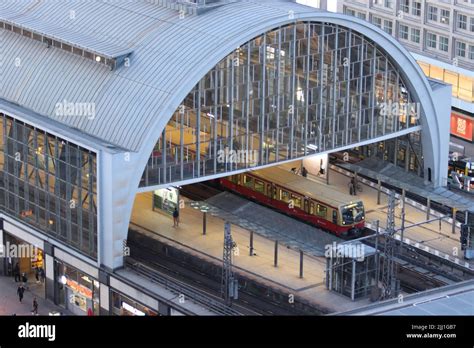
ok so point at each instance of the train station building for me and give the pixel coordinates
(101, 101)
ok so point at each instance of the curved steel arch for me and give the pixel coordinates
(116, 220)
(406, 65)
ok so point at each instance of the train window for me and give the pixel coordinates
(321, 210)
(274, 193)
(284, 196)
(248, 182)
(259, 186)
(233, 178)
(296, 201)
(311, 208)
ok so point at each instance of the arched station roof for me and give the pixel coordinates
(167, 55)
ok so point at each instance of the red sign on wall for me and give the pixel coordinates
(461, 126)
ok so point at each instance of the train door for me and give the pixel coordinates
(307, 204)
(334, 216)
(268, 190)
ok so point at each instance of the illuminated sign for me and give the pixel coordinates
(132, 309)
(166, 199)
(80, 289)
(461, 126)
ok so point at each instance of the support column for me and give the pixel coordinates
(301, 263)
(104, 293)
(428, 206)
(251, 244)
(204, 223)
(379, 187)
(454, 220)
(275, 261)
(115, 196)
(50, 277)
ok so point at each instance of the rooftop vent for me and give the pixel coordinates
(100, 52)
(193, 7)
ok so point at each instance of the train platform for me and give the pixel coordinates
(435, 237)
(455, 299)
(397, 177)
(260, 266)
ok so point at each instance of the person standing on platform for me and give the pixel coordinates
(353, 187)
(175, 217)
(304, 172)
(20, 291)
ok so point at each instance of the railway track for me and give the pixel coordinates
(248, 303)
(415, 276)
(200, 191)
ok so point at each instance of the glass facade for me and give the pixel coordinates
(463, 86)
(294, 91)
(49, 183)
(404, 151)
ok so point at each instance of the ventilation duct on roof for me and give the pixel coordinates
(100, 52)
(192, 7)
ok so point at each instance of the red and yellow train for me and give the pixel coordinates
(301, 198)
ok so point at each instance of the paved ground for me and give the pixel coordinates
(271, 224)
(259, 266)
(10, 304)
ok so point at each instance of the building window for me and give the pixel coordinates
(471, 24)
(350, 12)
(443, 43)
(444, 16)
(59, 175)
(462, 21)
(416, 8)
(361, 15)
(415, 35)
(377, 21)
(385, 3)
(471, 52)
(430, 40)
(387, 26)
(403, 32)
(389, 3)
(432, 13)
(405, 6)
(460, 49)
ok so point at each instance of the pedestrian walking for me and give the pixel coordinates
(20, 291)
(37, 274)
(175, 217)
(42, 274)
(16, 272)
(35, 307)
(24, 279)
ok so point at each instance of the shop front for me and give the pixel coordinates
(24, 262)
(76, 291)
(124, 306)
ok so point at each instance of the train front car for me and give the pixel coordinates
(352, 219)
